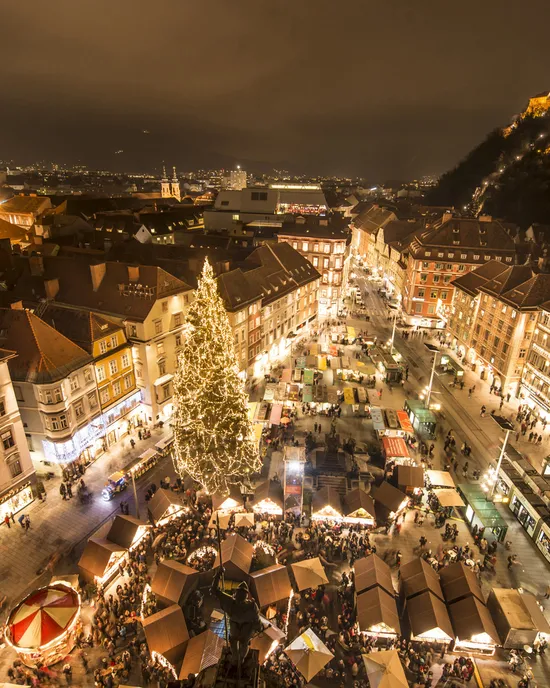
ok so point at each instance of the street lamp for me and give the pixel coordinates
(393, 331)
(434, 350)
(504, 424)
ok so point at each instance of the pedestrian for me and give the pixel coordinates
(501, 402)
(69, 490)
(12, 517)
(68, 672)
(547, 594)
(422, 541)
(63, 491)
(7, 521)
(139, 434)
(380, 393)
(508, 397)
(27, 523)
(85, 661)
(21, 520)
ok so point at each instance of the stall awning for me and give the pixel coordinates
(410, 476)
(308, 376)
(332, 395)
(389, 496)
(395, 448)
(349, 396)
(203, 651)
(417, 576)
(458, 581)
(375, 608)
(275, 416)
(269, 393)
(448, 497)
(358, 500)
(327, 499)
(371, 571)
(286, 375)
(404, 422)
(163, 502)
(166, 633)
(470, 617)
(322, 362)
(361, 394)
(335, 363)
(377, 418)
(440, 479)
(270, 585)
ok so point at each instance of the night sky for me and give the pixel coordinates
(386, 89)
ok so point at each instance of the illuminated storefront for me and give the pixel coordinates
(15, 500)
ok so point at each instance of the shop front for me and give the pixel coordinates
(542, 537)
(16, 499)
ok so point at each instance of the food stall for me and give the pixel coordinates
(474, 628)
(377, 614)
(372, 571)
(127, 531)
(439, 479)
(389, 498)
(429, 619)
(237, 556)
(173, 582)
(167, 635)
(422, 419)
(267, 641)
(359, 508)
(396, 451)
(203, 651)
(309, 573)
(478, 511)
(100, 559)
(458, 581)
(418, 577)
(537, 614)
(409, 478)
(268, 498)
(165, 505)
(228, 503)
(42, 627)
(270, 585)
(448, 498)
(326, 505)
(512, 618)
(391, 423)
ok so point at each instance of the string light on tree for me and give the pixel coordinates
(213, 435)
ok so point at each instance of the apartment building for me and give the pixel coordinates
(17, 474)
(493, 321)
(56, 391)
(365, 228)
(535, 381)
(147, 301)
(24, 210)
(445, 250)
(324, 242)
(106, 341)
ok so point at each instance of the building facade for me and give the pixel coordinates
(535, 381)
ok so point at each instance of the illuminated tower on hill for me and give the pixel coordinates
(165, 191)
(175, 185)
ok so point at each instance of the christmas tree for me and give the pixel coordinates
(213, 435)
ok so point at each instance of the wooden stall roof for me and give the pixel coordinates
(270, 584)
(270, 489)
(449, 497)
(375, 606)
(539, 619)
(172, 580)
(471, 617)
(426, 612)
(326, 496)
(309, 573)
(96, 555)
(236, 551)
(410, 476)
(459, 581)
(161, 501)
(417, 576)
(123, 530)
(358, 499)
(234, 493)
(371, 571)
(166, 633)
(388, 496)
(203, 651)
(440, 478)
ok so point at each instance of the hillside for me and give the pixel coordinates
(507, 175)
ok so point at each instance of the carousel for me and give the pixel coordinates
(42, 628)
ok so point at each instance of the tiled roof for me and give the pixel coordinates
(237, 290)
(81, 327)
(374, 217)
(314, 227)
(472, 281)
(398, 230)
(43, 354)
(531, 294)
(461, 233)
(507, 279)
(25, 204)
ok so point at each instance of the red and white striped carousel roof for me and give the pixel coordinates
(43, 616)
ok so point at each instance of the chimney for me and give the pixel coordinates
(36, 264)
(133, 273)
(485, 218)
(16, 305)
(51, 287)
(98, 273)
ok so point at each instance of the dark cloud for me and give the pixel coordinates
(382, 89)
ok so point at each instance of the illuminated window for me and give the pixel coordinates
(125, 360)
(117, 390)
(113, 367)
(103, 346)
(100, 373)
(7, 439)
(114, 341)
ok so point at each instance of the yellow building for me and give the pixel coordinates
(105, 340)
(538, 105)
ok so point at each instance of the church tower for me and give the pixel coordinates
(165, 185)
(175, 186)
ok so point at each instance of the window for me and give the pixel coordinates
(325, 262)
(433, 294)
(74, 383)
(92, 400)
(476, 257)
(162, 363)
(497, 342)
(7, 440)
(125, 360)
(421, 292)
(158, 326)
(316, 248)
(178, 340)
(295, 245)
(514, 314)
(425, 265)
(431, 308)
(463, 256)
(305, 246)
(29, 442)
(105, 396)
(224, 203)
(103, 346)
(63, 421)
(436, 279)
(178, 319)
(326, 248)
(315, 262)
(165, 306)
(2, 407)
(160, 348)
(428, 253)
(78, 410)
(447, 279)
(449, 266)
(258, 196)
(508, 259)
(87, 375)
(444, 295)
(132, 331)
(439, 266)
(18, 393)
(166, 391)
(100, 373)
(117, 389)
(521, 353)
(236, 217)
(15, 466)
(128, 382)
(461, 268)
(486, 257)
(113, 367)
(423, 277)
(418, 308)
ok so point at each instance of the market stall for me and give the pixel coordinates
(359, 508)
(439, 479)
(409, 478)
(326, 505)
(165, 505)
(100, 559)
(173, 582)
(448, 498)
(459, 581)
(372, 571)
(418, 577)
(429, 619)
(237, 556)
(473, 626)
(537, 614)
(308, 654)
(396, 451)
(512, 617)
(244, 520)
(384, 670)
(127, 531)
(422, 419)
(270, 585)
(268, 498)
(42, 627)
(203, 651)
(390, 498)
(233, 501)
(267, 640)
(377, 613)
(166, 634)
(309, 573)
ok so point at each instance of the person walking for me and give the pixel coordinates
(69, 490)
(27, 523)
(68, 672)
(7, 521)
(21, 520)
(63, 491)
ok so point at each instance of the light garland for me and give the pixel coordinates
(161, 659)
(201, 553)
(144, 600)
(288, 611)
(266, 549)
(213, 435)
